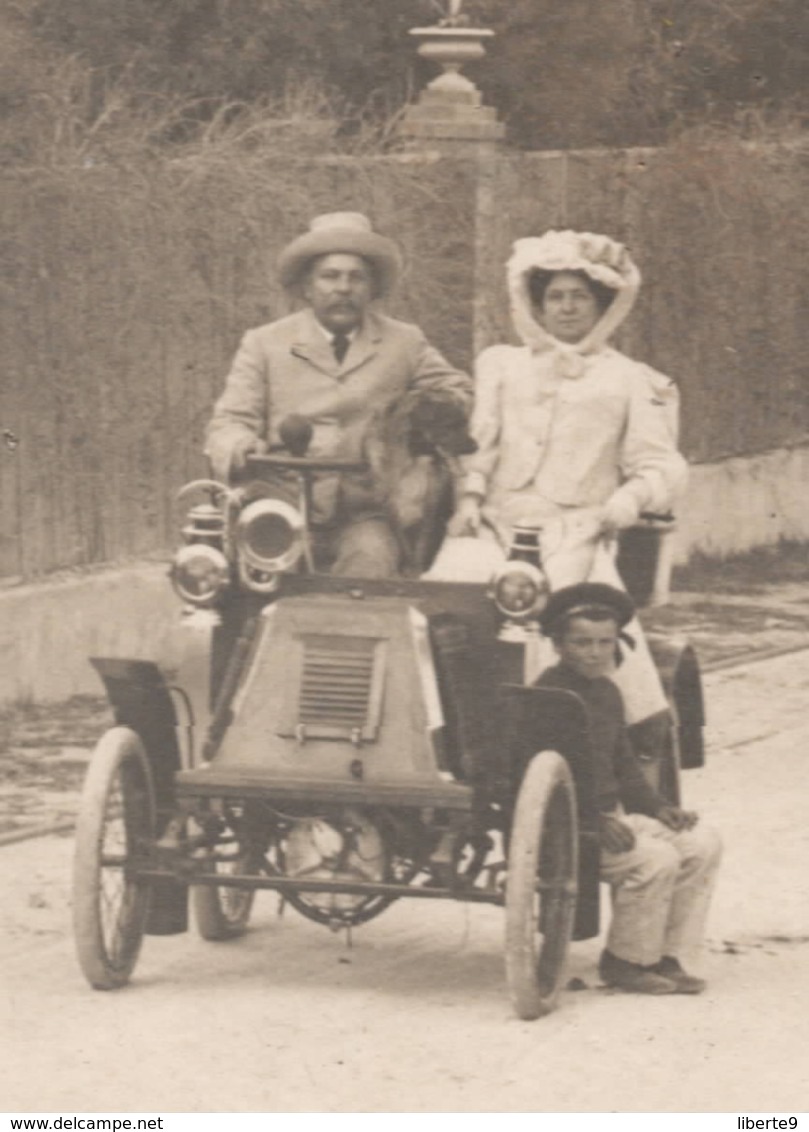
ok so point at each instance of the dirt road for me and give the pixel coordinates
(414, 1017)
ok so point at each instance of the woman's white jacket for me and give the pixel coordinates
(608, 434)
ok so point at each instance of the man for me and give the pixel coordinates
(660, 863)
(336, 363)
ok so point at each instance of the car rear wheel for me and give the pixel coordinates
(223, 913)
(116, 824)
(669, 773)
(656, 743)
(541, 888)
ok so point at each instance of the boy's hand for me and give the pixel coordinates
(677, 819)
(614, 835)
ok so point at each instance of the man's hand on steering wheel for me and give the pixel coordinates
(244, 447)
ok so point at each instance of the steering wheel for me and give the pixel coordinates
(295, 432)
(306, 463)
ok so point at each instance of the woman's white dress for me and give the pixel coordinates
(553, 451)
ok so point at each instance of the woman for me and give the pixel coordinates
(573, 437)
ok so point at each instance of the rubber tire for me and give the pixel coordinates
(663, 774)
(217, 922)
(544, 835)
(118, 759)
(669, 782)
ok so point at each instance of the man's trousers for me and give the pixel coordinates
(365, 547)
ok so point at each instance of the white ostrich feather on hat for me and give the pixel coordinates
(600, 258)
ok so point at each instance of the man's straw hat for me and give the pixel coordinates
(349, 233)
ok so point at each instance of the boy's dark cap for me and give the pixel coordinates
(583, 600)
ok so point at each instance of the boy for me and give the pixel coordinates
(660, 864)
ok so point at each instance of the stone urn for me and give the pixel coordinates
(450, 114)
(451, 48)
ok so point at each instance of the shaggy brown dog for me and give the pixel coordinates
(412, 446)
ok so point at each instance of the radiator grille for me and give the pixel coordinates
(336, 685)
(339, 687)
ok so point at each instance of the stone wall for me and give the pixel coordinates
(125, 292)
(721, 234)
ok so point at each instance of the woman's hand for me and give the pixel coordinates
(617, 514)
(466, 520)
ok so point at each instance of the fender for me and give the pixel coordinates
(535, 719)
(678, 668)
(141, 699)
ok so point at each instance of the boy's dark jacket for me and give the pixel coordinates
(617, 774)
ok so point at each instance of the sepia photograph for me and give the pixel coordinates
(404, 559)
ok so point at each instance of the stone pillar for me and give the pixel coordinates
(450, 116)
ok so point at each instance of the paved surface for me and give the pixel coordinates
(729, 629)
(44, 750)
(415, 1017)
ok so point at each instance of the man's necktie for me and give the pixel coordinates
(340, 343)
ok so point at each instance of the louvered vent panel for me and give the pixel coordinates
(336, 686)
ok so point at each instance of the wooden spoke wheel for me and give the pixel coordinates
(223, 913)
(116, 824)
(541, 888)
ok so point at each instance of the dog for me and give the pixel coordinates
(413, 446)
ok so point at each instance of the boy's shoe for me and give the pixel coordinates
(633, 977)
(670, 968)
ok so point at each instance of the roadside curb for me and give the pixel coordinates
(48, 629)
(67, 825)
(753, 658)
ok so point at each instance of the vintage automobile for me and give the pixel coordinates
(347, 743)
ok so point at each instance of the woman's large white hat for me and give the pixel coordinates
(599, 257)
(349, 233)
